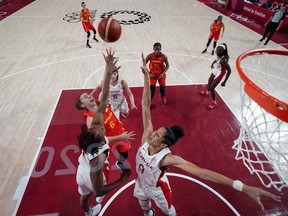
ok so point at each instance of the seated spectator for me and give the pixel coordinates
(266, 5)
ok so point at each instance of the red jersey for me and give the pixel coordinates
(216, 27)
(156, 64)
(112, 125)
(86, 16)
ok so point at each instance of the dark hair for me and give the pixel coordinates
(82, 3)
(157, 44)
(78, 104)
(88, 141)
(225, 51)
(173, 134)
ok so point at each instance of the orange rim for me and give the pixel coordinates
(271, 104)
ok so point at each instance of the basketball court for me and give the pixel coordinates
(45, 66)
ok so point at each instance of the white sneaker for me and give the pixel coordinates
(94, 210)
(100, 199)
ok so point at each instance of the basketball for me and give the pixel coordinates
(109, 29)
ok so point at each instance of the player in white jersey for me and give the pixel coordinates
(94, 144)
(220, 68)
(154, 158)
(117, 98)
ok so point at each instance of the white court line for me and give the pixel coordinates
(23, 186)
(174, 175)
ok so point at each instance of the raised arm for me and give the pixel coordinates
(254, 192)
(146, 103)
(129, 93)
(110, 65)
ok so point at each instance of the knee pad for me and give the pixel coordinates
(145, 204)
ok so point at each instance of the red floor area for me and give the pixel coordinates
(8, 7)
(209, 137)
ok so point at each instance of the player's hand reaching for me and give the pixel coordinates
(256, 193)
(125, 174)
(127, 135)
(109, 57)
(133, 106)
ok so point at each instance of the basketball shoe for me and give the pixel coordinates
(94, 210)
(204, 51)
(164, 100)
(88, 46)
(212, 53)
(204, 93)
(94, 38)
(212, 105)
(120, 165)
(99, 199)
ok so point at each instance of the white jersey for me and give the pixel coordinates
(217, 67)
(116, 95)
(147, 166)
(85, 186)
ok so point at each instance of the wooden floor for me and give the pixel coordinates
(41, 54)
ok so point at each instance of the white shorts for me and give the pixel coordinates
(162, 196)
(84, 182)
(123, 108)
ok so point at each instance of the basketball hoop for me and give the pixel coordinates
(262, 144)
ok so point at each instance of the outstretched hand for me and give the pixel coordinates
(128, 135)
(110, 60)
(125, 174)
(256, 193)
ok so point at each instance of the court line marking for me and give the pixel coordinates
(174, 175)
(96, 55)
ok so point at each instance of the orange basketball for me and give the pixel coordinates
(109, 29)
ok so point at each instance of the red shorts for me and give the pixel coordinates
(87, 26)
(120, 146)
(214, 35)
(161, 81)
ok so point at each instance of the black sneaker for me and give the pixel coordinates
(265, 42)
(88, 46)
(94, 38)
(262, 39)
(204, 51)
(212, 53)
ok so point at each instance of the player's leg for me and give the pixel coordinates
(94, 37)
(208, 43)
(162, 83)
(152, 87)
(124, 109)
(143, 200)
(207, 91)
(216, 38)
(213, 85)
(162, 197)
(88, 36)
(120, 149)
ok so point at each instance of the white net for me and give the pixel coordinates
(263, 141)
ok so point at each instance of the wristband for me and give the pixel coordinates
(238, 185)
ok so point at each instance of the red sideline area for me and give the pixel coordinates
(251, 20)
(52, 188)
(8, 7)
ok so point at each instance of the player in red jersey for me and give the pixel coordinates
(95, 147)
(85, 16)
(158, 66)
(117, 135)
(215, 30)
